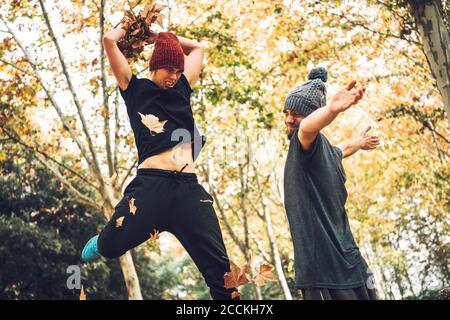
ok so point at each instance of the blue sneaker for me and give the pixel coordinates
(90, 251)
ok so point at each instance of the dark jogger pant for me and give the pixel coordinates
(177, 203)
(360, 293)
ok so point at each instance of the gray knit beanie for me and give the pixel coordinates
(308, 97)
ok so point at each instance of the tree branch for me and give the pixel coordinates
(233, 236)
(127, 174)
(250, 233)
(14, 137)
(243, 207)
(362, 25)
(37, 75)
(106, 129)
(110, 92)
(16, 67)
(74, 191)
(116, 129)
(97, 171)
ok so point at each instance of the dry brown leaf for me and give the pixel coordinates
(135, 32)
(82, 294)
(237, 276)
(159, 8)
(160, 19)
(132, 206)
(119, 222)
(264, 275)
(138, 44)
(94, 62)
(154, 236)
(138, 32)
(147, 9)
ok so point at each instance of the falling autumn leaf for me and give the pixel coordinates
(236, 277)
(94, 62)
(119, 222)
(152, 123)
(132, 206)
(264, 275)
(154, 236)
(82, 294)
(235, 294)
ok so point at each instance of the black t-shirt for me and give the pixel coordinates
(161, 119)
(326, 255)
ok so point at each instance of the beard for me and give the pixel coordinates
(292, 132)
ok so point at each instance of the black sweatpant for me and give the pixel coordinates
(360, 293)
(177, 203)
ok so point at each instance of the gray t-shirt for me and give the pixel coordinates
(325, 252)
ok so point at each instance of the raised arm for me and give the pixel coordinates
(322, 117)
(119, 64)
(362, 141)
(194, 59)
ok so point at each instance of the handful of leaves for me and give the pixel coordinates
(138, 32)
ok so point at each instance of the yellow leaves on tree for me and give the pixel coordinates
(138, 31)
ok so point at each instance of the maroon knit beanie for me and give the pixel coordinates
(167, 52)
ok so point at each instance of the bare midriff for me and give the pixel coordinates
(176, 158)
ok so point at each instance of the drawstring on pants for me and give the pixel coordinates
(183, 167)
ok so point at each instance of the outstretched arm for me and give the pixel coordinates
(362, 141)
(194, 61)
(117, 61)
(322, 117)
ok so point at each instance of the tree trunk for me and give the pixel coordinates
(276, 257)
(369, 251)
(436, 44)
(130, 276)
(257, 294)
(127, 265)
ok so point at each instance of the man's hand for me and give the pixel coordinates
(362, 141)
(367, 142)
(322, 117)
(345, 98)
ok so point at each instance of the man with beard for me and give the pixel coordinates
(328, 263)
